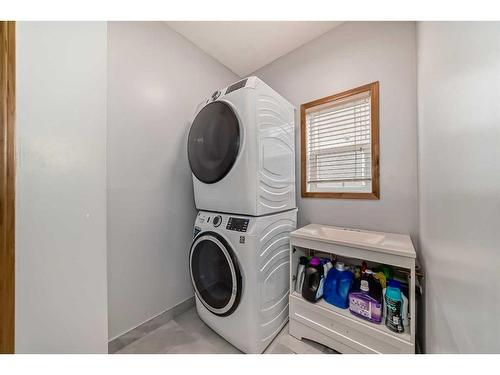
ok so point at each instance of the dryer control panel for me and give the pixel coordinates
(237, 224)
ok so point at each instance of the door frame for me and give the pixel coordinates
(7, 184)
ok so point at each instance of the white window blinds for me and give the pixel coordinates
(338, 145)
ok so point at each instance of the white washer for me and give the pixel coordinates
(241, 150)
(239, 268)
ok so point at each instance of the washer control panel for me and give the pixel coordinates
(237, 224)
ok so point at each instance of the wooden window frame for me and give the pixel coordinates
(373, 88)
(7, 184)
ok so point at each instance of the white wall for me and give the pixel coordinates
(459, 173)
(351, 55)
(156, 79)
(61, 188)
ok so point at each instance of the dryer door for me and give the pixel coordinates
(215, 274)
(213, 142)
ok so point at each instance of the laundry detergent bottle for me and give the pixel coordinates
(337, 285)
(314, 277)
(394, 307)
(299, 280)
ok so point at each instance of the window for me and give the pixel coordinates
(340, 145)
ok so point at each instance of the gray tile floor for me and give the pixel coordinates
(187, 334)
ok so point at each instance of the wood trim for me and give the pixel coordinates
(373, 88)
(375, 110)
(7, 184)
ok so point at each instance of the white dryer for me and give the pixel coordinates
(240, 269)
(241, 150)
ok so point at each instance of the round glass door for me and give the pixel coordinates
(213, 142)
(215, 274)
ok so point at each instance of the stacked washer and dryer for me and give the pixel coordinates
(241, 150)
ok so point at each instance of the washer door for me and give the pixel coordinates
(215, 274)
(213, 142)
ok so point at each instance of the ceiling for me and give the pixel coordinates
(245, 46)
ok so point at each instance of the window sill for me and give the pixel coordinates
(339, 195)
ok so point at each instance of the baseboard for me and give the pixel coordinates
(143, 329)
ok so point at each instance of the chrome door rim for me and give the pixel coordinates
(234, 291)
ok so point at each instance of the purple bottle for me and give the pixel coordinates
(361, 304)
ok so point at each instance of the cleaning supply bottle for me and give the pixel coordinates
(356, 270)
(365, 280)
(364, 306)
(299, 280)
(314, 276)
(406, 320)
(394, 307)
(406, 316)
(327, 265)
(375, 288)
(386, 270)
(362, 303)
(380, 277)
(337, 286)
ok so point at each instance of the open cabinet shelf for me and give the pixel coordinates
(336, 327)
(381, 328)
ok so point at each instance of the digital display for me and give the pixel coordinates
(237, 224)
(236, 86)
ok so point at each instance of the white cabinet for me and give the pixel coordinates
(336, 327)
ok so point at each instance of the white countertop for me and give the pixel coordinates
(390, 243)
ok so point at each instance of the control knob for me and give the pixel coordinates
(217, 220)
